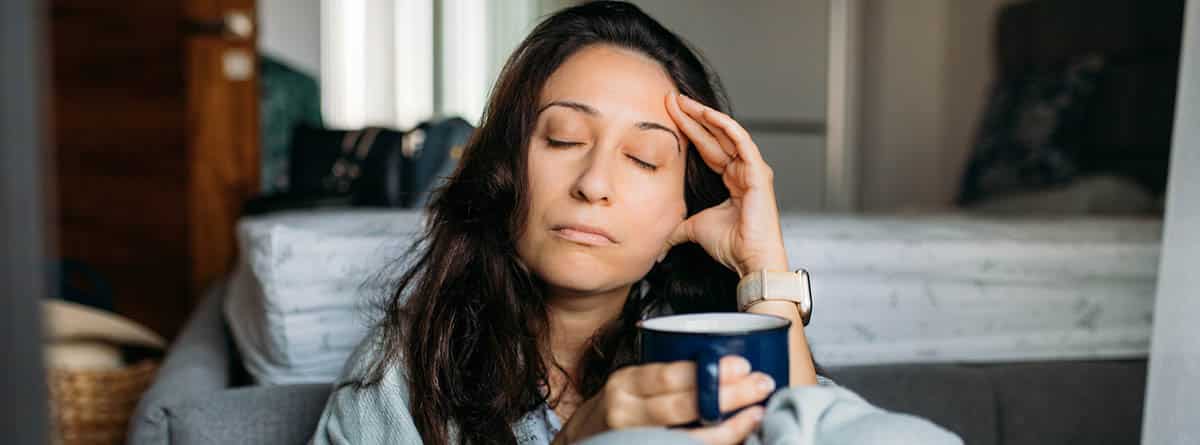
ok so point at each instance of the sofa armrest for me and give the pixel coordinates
(284, 414)
(198, 363)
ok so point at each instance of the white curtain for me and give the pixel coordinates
(395, 63)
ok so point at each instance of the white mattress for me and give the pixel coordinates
(887, 289)
(963, 289)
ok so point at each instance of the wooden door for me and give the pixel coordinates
(155, 119)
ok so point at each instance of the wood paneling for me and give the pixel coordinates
(155, 148)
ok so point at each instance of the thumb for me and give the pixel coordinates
(681, 234)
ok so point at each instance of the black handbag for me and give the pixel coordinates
(372, 167)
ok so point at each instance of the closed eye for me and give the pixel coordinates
(558, 143)
(561, 144)
(643, 164)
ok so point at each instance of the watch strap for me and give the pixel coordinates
(778, 286)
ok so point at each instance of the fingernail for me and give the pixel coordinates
(766, 383)
(741, 366)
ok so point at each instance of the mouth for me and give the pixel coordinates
(593, 236)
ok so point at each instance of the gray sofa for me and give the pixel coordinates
(202, 396)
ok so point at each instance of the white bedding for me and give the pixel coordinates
(305, 287)
(888, 289)
(965, 289)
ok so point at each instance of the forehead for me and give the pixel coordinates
(618, 82)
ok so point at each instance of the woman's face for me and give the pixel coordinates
(605, 169)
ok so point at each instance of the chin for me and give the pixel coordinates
(584, 275)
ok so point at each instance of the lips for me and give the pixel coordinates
(584, 234)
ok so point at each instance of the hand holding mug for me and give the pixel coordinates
(665, 394)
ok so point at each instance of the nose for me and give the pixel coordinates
(595, 183)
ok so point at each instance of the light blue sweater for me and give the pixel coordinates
(823, 414)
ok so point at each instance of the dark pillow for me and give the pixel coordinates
(1031, 134)
(373, 167)
(432, 154)
(287, 98)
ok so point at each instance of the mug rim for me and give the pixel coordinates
(786, 324)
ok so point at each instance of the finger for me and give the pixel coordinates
(653, 379)
(641, 383)
(740, 138)
(748, 390)
(733, 368)
(735, 430)
(696, 111)
(682, 407)
(710, 149)
(663, 378)
(705, 140)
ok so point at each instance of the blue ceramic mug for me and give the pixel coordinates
(704, 338)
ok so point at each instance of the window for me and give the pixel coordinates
(395, 63)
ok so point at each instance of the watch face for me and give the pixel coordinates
(806, 307)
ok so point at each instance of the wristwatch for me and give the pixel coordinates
(774, 285)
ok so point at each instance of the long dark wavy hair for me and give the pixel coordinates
(467, 319)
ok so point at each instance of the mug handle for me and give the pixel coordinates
(708, 385)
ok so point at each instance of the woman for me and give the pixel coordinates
(603, 186)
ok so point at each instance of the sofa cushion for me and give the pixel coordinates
(958, 398)
(1070, 402)
(1063, 402)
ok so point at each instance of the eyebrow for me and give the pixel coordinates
(590, 111)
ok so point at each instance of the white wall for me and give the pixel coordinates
(925, 71)
(290, 30)
(1173, 385)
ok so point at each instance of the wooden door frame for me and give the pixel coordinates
(223, 166)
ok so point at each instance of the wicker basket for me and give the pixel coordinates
(94, 406)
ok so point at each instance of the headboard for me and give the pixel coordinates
(1128, 124)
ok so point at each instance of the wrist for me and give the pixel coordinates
(779, 308)
(783, 293)
(775, 263)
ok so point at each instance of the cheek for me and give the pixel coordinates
(548, 182)
(545, 180)
(656, 216)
